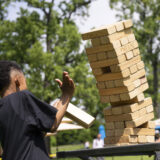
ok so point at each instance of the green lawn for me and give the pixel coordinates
(80, 146)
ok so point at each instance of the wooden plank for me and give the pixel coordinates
(101, 56)
(136, 52)
(104, 40)
(101, 85)
(129, 55)
(110, 132)
(140, 65)
(133, 69)
(119, 26)
(142, 139)
(124, 40)
(116, 44)
(92, 57)
(104, 99)
(127, 23)
(97, 71)
(133, 139)
(96, 42)
(108, 62)
(99, 32)
(117, 90)
(150, 139)
(110, 125)
(109, 84)
(114, 98)
(131, 38)
(126, 48)
(107, 111)
(79, 116)
(115, 68)
(140, 97)
(149, 108)
(117, 110)
(119, 125)
(139, 121)
(113, 76)
(137, 83)
(149, 124)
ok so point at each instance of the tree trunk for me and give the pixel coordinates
(155, 85)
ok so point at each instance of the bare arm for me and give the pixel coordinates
(67, 88)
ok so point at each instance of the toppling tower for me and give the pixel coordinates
(119, 71)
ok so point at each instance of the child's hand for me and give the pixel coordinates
(67, 86)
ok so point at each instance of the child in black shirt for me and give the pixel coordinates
(24, 118)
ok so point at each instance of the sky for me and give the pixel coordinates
(99, 14)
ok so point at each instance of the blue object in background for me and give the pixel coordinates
(102, 131)
(157, 128)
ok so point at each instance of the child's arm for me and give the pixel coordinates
(67, 88)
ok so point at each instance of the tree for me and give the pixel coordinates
(146, 17)
(45, 41)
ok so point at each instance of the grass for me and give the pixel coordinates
(81, 146)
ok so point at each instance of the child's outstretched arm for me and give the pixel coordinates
(67, 88)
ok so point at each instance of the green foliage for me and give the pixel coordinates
(45, 42)
(146, 17)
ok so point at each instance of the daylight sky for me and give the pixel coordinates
(99, 14)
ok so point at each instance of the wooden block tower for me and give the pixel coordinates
(121, 80)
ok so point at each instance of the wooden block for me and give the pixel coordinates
(149, 124)
(116, 44)
(129, 55)
(107, 111)
(137, 83)
(133, 69)
(116, 110)
(113, 76)
(107, 62)
(122, 139)
(109, 133)
(142, 139)
(109, 125)
(114, 98)
(115, 68)
(133, 139)
(149, 108)
(145, 103)
(111, 54)
(123, 82)
(136, 52)
(109, 140)
(124, 41)
(143, 79)
(128, 23)
(104, 99)
(79, 116)
(119, 35)
(97, 71)
(117, 90)
(109, 84)
(119, 26)
(150, 139)
(126, 48)
(97, 49)
(140, 65)
(96, 42)
(119, 125)
(139, 121)
(140, 97)
(131, 38)
(104, 40)
(92, 57)
(101, 56)
(99, 32)
(130, 62)
(130, 108)
(101, 85)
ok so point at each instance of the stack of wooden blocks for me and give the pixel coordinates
(119, 71)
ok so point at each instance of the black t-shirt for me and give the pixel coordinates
(23, 119)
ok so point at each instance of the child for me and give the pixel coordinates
(24, 118)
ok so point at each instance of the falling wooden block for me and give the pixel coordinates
(79, 116)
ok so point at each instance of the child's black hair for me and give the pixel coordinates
(5, 69)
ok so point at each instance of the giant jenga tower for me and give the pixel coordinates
(121, 80)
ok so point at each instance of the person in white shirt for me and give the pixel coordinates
(98, 143)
